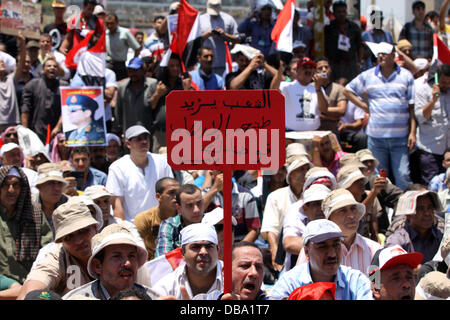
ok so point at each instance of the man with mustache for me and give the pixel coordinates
(202, 273)
(392, 274)
(116, 257)
(420, 234)
(322, 243)
(64, 267)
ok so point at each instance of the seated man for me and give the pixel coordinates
(64, 267)
(190, 207)
(88, 176)
(116, 257)
(149, 221)
(324, 155)
(202, 272)
(437, 183)
(392, 274)
(307, 209)
(341, 207)
(23, 229)
(50, 185)
(322, 243)
(420, 234)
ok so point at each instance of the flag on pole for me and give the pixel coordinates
(98, 49)
(187, 39)
(282, 33)
(441, 53)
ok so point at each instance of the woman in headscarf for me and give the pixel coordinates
(60, 150)
(23, 231)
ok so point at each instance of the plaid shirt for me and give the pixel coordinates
(421, 39)
(169, 235)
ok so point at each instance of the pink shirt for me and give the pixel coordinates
(358, 257)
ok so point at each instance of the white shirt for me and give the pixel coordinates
(293, 226)
(301, 106)
(276, 206)
(137, 188)
(170, 284)
(352, 113)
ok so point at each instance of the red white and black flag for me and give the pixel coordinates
(187, 39)
(95, 49)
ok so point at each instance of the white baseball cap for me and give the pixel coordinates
(321, 230)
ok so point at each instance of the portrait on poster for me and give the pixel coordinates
(83, 116)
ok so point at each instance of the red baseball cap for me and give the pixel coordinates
(304, 61)
(393, 256)
(314, 291)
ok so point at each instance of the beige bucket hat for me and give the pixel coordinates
(366, 154)
(50, 172)
(348, 175)
(351, 159)
(433, 286)
(72, 216)
(296, 162)
(96, 191)
(115, 234)
(315, 174)
(340, 198)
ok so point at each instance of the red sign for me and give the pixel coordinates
(239, 129)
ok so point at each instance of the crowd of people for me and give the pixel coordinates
(358, 212)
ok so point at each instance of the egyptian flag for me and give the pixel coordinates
(96, 50)
(163, 265)
(187, 39)
(282, 33)
(441, 53)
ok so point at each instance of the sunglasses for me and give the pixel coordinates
(75, 109)
(11, 134)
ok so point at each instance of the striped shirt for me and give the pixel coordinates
(358, 257)
(350, 284)
(388, 101)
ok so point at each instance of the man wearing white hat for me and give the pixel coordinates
(64, 266)
(322, 243)
(390, 141)
(341, 207)
(279, 201)
(202, 272)
(216, 27)
(392, 274)
(132, 178)
(116, 257)
(420, 234)
(307, 209)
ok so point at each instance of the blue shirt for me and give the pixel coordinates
(95, 177)
(437, 183)
(351, 284)
(260, 35)
(389, 101)
(205, 82)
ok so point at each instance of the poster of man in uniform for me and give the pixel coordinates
(83, 116)
(12, 20)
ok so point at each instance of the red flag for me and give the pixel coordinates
(440, 51)
(282, 33)
(228, 60)
(73, 57)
